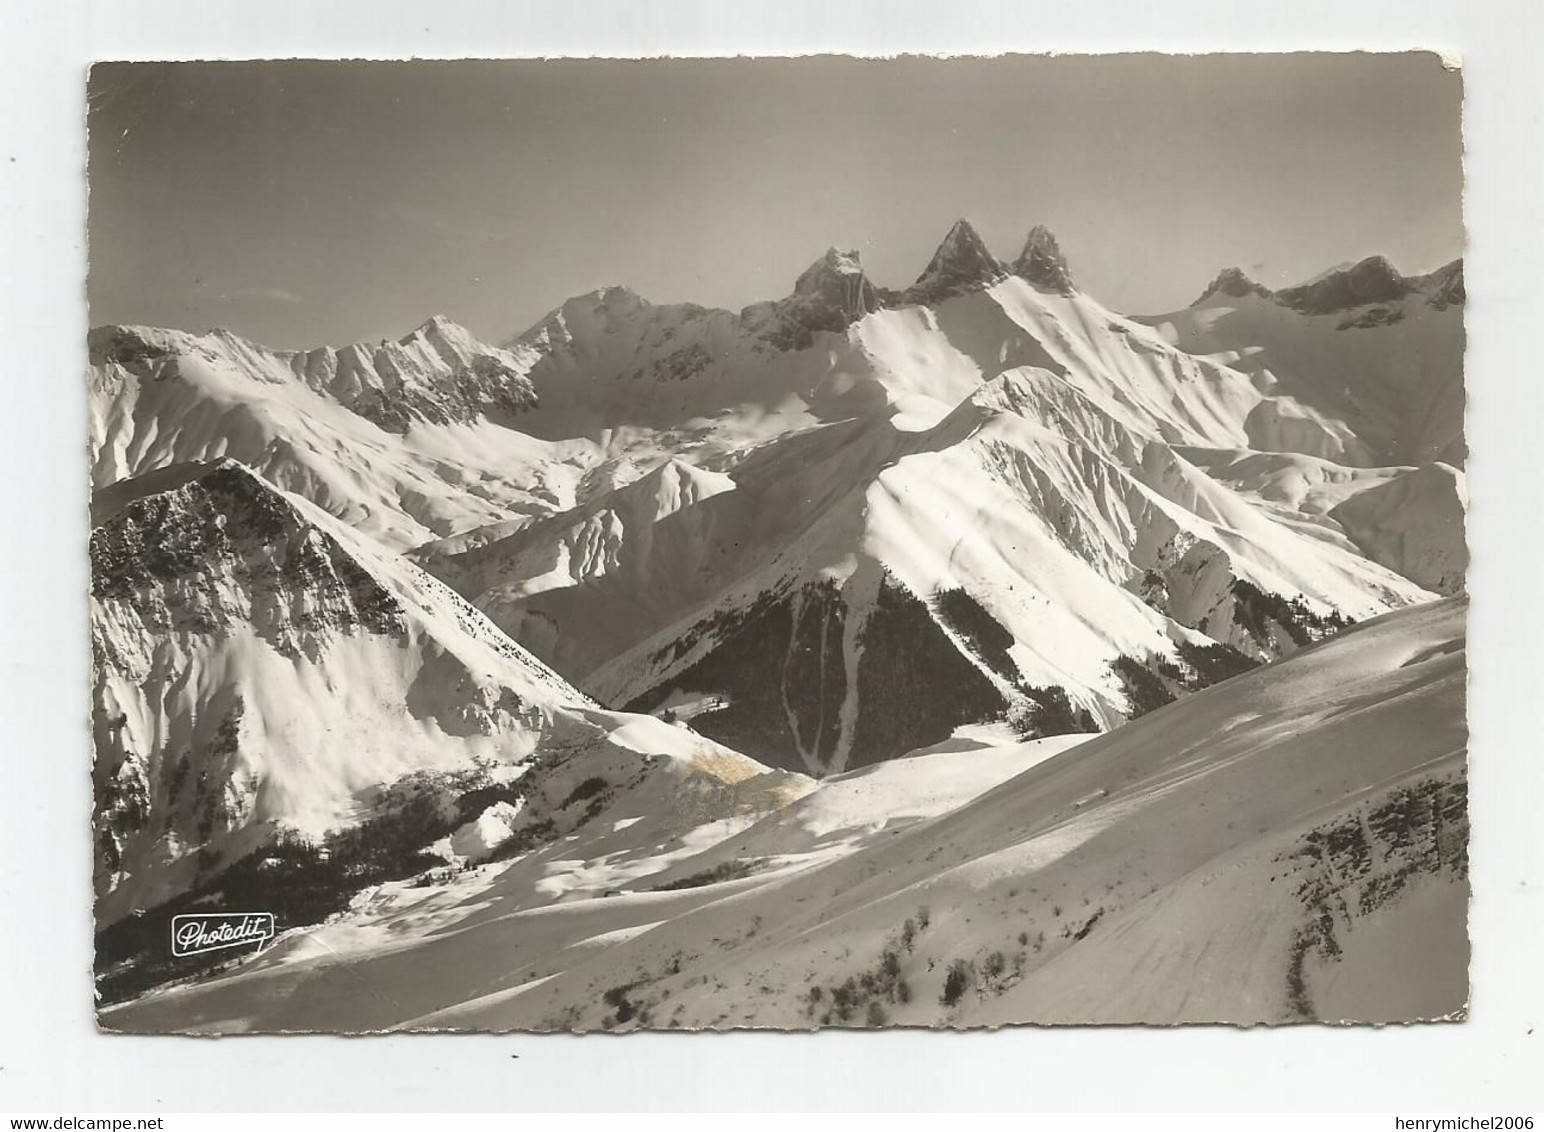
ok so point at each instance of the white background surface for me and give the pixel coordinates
(51, 1058)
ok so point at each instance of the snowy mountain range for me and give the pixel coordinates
(653, 590)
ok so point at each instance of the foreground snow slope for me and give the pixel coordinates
(1288, 845)
(260, 667)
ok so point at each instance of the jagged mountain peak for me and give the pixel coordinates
(837, 262)
(962, 246)
(830, 294)
(1042, 263)
(838, 279)
(439, 325)
(1445, 286)
(962, 262)
(1233, 283)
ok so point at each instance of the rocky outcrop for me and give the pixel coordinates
(1445, 286)
(962, 263)
(1373, 280)
(1042, 263)
(1232, 283)
(210, 548)
(830, 295)
(1368, 293)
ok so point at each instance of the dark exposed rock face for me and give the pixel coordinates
(1234, 284)
(125, 346)
(1445, 286)
(780, 668)
(962, 263)
(831, 294)
(245, 551)
(796, 678)
(1373, 280)
(777, 667)
(1369, 317)
(1042, 263)
(836, 280)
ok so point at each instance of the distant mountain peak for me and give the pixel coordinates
(1371, 280)
(836, 262)
(1347, 286)
(1445, 286)
(1233, 283)
(1042, 263)
(437, 323)
(837, 279)
(962, 263)
(442, 330)
(830, 294)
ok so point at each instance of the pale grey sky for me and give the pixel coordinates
(321, 202)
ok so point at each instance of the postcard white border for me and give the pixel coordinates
(51, 1056)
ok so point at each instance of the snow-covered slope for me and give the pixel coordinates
(1409, 519)
(1288, 845)
(406, 440)
(1414, 524)
(1380, 353)
(859, 588)
(261, 668)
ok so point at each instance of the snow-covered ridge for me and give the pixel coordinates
(1346, 287)
(1377, 352)
(833, 292)
(837, 564)
(1042, 263)
(437, 375)
(407, 440)
(262, 669)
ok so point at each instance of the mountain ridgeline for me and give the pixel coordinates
(664, 560)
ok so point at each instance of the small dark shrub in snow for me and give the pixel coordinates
(727, 870)
(956, 982)
(586, 789)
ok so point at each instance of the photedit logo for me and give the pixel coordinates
(210, 931)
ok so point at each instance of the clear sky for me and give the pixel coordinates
(319, 202)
